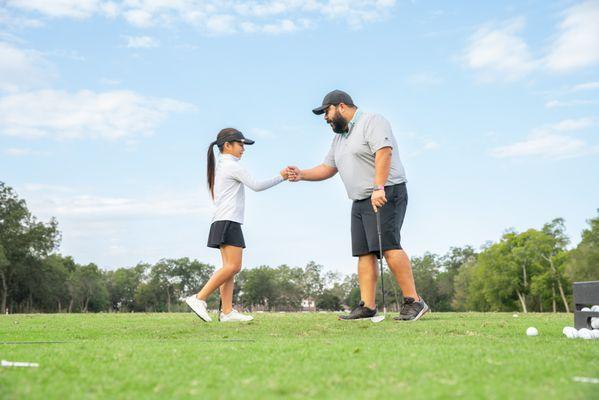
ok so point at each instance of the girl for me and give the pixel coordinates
(226, 183)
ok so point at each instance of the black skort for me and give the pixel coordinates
(225, 233)
(364, 234)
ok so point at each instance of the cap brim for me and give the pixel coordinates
(247, 141)
(320, 110)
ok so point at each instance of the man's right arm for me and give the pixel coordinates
(318, 173)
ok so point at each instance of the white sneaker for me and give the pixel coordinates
(199, 307)
(235, 316)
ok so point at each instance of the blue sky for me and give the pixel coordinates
(107, 108)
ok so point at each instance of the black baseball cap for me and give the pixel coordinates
(233, 137)
(335, 97)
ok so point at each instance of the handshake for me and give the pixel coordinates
(291, 174)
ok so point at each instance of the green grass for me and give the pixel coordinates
(294, 355)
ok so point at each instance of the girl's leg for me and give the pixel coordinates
(226, 295)
(231, 256)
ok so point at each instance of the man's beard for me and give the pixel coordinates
(338, 123)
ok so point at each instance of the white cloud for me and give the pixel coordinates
(84, 114)
(568, 125)
(219, 17)
(22, 68)
(72, 203)
(499, 53)
(78, 9)
(119, 207)
(419, 143)
(357, 13)
(141, 42)
(139, 18)
(586, 86)
(10, 20)
(284, 26)
(221, 24)
(22, 152)
(551, 142)
(577, 43)
(567, 103)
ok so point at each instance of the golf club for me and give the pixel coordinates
(379, 318)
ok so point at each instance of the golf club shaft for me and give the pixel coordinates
(378, 230)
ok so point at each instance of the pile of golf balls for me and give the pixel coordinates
(584, 333)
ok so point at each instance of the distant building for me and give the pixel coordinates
(308, 304)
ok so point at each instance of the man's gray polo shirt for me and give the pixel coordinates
(353, 154)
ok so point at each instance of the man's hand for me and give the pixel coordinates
(294, 174)
(378, 199)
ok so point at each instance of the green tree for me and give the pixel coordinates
(122, 284)
(259, 287)
(328, 300)
(23, 240)
(469, 288)
(51, 292)
(551, 282)
(289, 287)
(451, 264)
(313, 280)
(582, 264)
(425, 270)
(87, 288)
(352, 290)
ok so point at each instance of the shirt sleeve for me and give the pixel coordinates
(243, 176)
(330, 158)
(378, 133)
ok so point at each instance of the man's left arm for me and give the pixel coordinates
(382, 165)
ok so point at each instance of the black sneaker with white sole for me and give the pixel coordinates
(359, 312)
(412, 310)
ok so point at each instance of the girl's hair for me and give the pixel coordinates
(211, 163)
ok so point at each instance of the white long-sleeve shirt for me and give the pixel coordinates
(230, 177)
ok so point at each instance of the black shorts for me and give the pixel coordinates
(364, 236)
(225, 233)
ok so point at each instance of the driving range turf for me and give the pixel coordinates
(294, 355)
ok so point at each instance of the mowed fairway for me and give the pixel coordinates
(294, 355)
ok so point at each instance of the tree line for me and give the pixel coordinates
(527, 271)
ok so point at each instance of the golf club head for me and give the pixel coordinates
(377, 318)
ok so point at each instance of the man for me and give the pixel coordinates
(364, 152)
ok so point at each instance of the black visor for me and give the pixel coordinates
(234, 137)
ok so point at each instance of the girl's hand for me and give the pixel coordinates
(294, 174)
(285, 173)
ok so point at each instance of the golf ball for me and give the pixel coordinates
(532, 331)
(595, 323)
(585, 309)
(570, 332)
(567, 329)
(595, 333)
(585, 333)
(595, 308)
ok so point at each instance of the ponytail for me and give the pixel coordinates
(210, 168)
